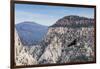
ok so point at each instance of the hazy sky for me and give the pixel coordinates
(48, 15)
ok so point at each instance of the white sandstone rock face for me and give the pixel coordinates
(56, 48)
(52, 52)
(22, 57)
(58, 39)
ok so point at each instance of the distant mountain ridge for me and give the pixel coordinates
(31, 33)
(74, 21)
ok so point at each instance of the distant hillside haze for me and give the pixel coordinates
(30, 32)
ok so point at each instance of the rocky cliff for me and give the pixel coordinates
(22, 56)
(70, 39)
(69, 45)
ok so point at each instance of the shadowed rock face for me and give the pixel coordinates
(65, 42)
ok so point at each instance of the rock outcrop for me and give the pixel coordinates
(74, 22)
(65, 32)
